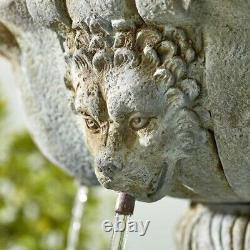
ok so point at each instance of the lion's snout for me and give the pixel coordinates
(108, 166)
(107, 170)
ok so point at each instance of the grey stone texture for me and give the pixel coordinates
(39, 62)
(160, 101)
(214, 227)
(161, 89)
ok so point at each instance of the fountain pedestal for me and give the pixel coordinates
(161, 89)
(221, 226)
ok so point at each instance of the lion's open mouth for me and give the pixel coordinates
(149, 192)
(160, 180)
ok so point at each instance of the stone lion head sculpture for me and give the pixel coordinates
(136, 98)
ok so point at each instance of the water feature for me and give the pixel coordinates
(124, 209)
(118, 241)
(77, 214)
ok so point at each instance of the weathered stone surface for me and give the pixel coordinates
(83, 10)
(227, 77)
(215, 227)
(162, 93)
(44, 96)
(194, 12)
(163, 87)
(49, 11)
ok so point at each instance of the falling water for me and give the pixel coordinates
(119, 236)
(77, 214)
(124, 209)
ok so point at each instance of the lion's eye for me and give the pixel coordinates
(139, 122)
(91, 123)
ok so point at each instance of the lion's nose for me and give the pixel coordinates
(107, 167)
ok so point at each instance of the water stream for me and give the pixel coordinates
(119, 235)
(76, 220)
(124, 209)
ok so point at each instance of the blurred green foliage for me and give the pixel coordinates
(36, 199)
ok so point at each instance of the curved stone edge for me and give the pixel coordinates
(227, 77)
(40, 69)
(49, 12)
(215, 227)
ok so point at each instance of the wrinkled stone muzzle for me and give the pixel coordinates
(108, 164)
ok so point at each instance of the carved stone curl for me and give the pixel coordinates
(217, 226)
(161, 89)
(137, 88)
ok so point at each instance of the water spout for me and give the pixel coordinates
(77, 214)
(124, 209)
